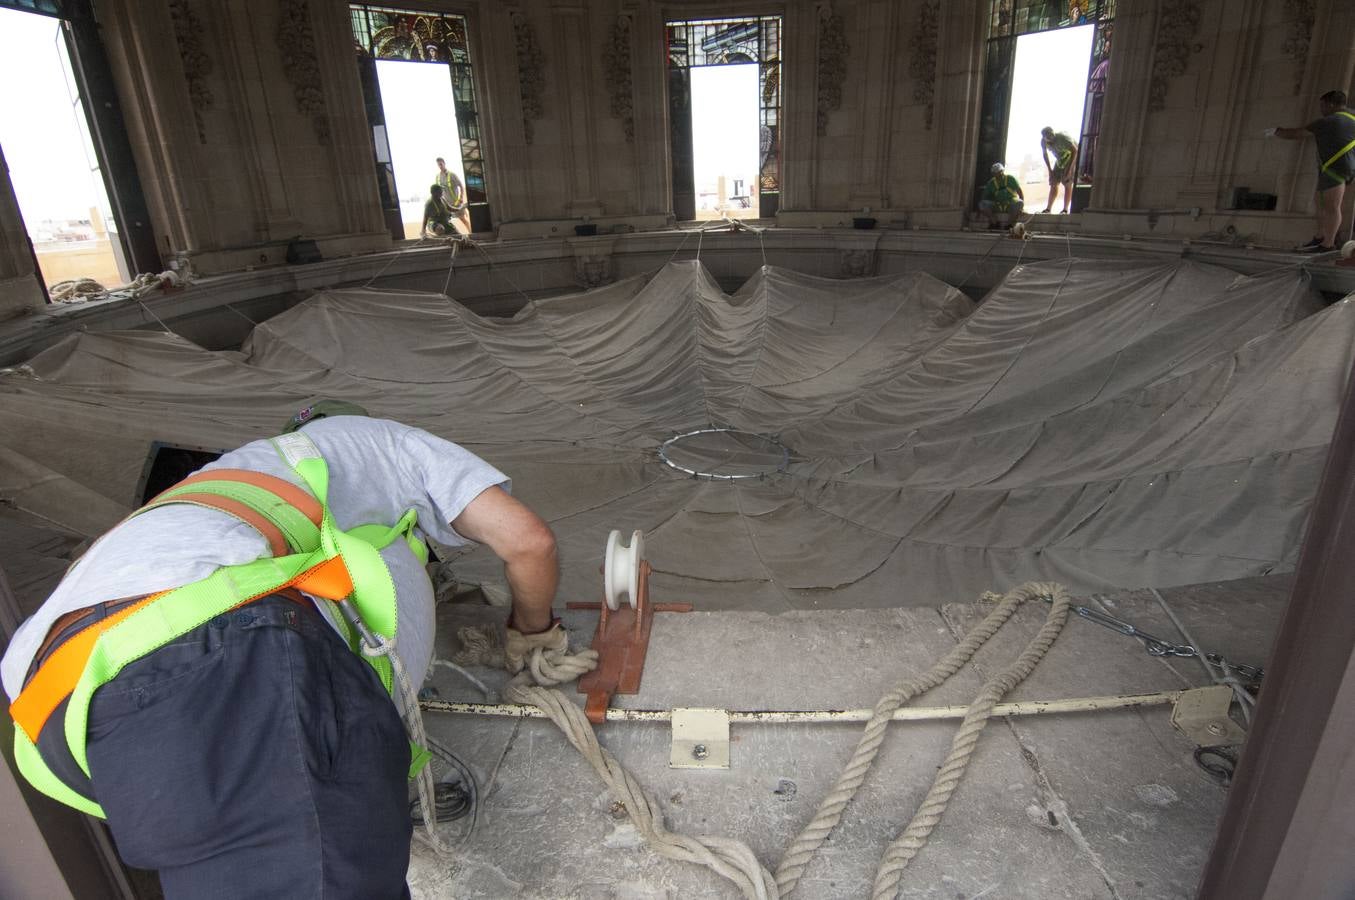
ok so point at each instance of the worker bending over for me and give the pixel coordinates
(198, 677)
(1062, 168)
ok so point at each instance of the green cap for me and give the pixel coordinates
(319, 410)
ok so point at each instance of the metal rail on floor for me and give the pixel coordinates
(829, 716)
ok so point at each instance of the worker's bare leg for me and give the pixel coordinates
(1329, 214)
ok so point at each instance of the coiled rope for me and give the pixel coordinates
(734, 860)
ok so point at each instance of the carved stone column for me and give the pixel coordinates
(1125, 112)
(799, 126)
(875, 51)
(513, 191)
(958, 98)
(649, 79)
(19, 289)
(576, 71)
(247, 33)
(349, 148)
(161, 118)
(1231, 43)
(235, 136)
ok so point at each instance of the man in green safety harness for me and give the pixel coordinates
(1335, 134)
(219, 675)
(1002, 198)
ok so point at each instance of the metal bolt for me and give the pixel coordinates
(1215, 728)
(700, 752)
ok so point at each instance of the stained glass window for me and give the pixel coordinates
(383, 33)
(46, 7)
(716, 42)
(1013, 17)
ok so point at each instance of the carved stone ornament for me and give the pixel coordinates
(856, 263)
(616, 66)
(832, 62)
(197, 65)
(593, 269)
(922, 63)
(531, 77)
(296, 41)
(1171, 51)
(1300, 38)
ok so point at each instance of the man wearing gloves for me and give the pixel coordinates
(220, 675)
(1334, 132)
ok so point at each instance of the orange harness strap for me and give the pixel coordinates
(58, 675)
(309, 506)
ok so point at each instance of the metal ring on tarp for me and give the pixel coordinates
(781, 466)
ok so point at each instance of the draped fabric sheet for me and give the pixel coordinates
(1101, 423)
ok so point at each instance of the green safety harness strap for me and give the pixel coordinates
(1326, 166)
(369, 589)
(295, 526)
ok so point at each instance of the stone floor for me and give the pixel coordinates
(1090, 805)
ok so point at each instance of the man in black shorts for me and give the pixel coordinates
(1335, 134)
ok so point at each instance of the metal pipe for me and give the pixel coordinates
(829, 716)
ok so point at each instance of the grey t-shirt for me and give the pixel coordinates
(377, 470)
(1333, 133)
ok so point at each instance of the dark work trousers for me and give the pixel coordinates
(256, 756)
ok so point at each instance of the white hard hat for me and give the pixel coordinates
(997, 167)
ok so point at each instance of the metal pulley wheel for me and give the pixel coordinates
(621, 569)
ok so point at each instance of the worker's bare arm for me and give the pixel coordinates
(525, 543)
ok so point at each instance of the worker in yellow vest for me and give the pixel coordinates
(219, 675)
(454, 195)
(1062, 168)
(1335, 134)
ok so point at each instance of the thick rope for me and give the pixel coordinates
(480, 646)
(413, 718)
(829, 813)
(914, 837)
(734, 860)
(729, 858)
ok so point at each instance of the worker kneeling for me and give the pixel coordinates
(1002, 199)
(218, 676)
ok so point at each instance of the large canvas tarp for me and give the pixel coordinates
(1097, 423)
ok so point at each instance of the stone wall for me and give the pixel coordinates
(20, 292)
(248, 128)
(247, 125)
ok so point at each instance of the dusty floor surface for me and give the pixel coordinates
(1093, 805)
